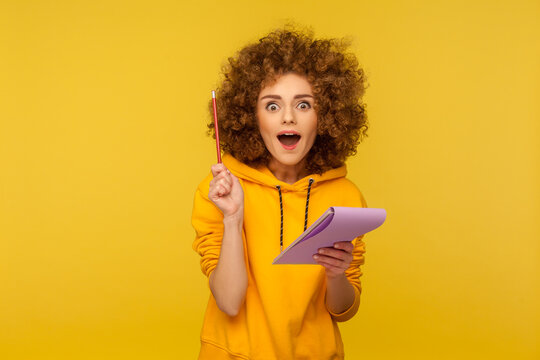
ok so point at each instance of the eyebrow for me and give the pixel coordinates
(277, 97)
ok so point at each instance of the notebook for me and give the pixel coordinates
(335, 224)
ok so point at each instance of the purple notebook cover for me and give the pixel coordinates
(345, 224)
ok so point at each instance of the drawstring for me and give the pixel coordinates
(281, 211)
(307, 202)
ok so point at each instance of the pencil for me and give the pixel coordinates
(216, 126)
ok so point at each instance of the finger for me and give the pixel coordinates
(225, 183)
(344, 245)
(213, 193)
(214, 183)
(218, 188)
(224, 177)
(332, 268)
(329, 262)
(235, 181)
(217, 169)
(233, 177)
(337, 254)
(226, 188)
(222, 190)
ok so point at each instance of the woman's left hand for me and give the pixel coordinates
(335, 260)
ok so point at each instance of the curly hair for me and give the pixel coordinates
(337, 81)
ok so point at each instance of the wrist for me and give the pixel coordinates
(235, 218)
(335, 278)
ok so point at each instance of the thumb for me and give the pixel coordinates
(235, 180)
(232, 175)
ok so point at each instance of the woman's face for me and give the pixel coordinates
(287, 119)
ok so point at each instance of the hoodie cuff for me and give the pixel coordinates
(351, 311)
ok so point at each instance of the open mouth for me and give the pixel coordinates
(289, 139)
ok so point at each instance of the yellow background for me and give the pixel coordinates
(103, 106)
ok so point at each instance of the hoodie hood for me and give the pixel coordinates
(265, 177)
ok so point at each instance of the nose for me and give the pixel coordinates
(288, 116)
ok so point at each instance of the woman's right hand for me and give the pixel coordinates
(226, 191)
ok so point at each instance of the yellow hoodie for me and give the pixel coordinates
(284, 315)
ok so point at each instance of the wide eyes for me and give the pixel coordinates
(273, 107)
(304, 105)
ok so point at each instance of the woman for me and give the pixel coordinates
(290, 114)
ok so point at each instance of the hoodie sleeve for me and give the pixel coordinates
(207, 220)
(353, 274)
